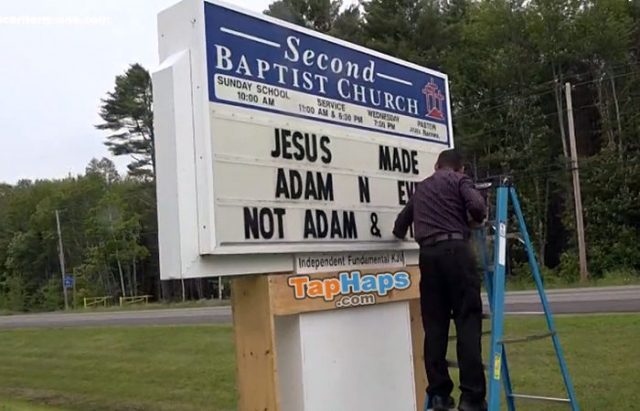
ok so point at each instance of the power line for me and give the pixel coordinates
(538, 94)
(562, 166)
(547, 83)
(611, 77)
(479, 111)
(580, 74)
(519, 93)
(509, 121)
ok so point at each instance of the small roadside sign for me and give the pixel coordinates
(68, 281)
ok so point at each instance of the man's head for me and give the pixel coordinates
(450, 159)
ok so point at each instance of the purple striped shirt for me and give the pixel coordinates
(441, 204)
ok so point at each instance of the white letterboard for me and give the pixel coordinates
(303, 142)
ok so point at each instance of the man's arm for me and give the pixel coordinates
(404, 220)
(473, 200)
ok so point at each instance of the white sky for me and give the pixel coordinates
(53, 75)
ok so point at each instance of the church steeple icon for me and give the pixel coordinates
(434, 100)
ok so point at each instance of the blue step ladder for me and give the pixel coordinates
(494, 279)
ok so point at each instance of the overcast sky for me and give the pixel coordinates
(54, 72)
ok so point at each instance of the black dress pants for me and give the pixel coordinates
(450, 288)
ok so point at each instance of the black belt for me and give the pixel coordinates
(442, 237)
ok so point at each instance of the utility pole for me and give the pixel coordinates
(584, 273)
(557, 88)
(74, 289)
(61, 257)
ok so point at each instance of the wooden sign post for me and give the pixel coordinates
(277, 331)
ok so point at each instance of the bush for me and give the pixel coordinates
(51, 297)
(569, 268)
(621, 276)
(521, 274)
(14, 298)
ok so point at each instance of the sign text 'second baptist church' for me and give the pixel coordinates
(313, 140)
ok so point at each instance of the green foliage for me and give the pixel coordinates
(324, 16)
(317, 15)
(14, 297)
(611, 195)
(127, 113)
(50, 296)
(102, 224)
(568, 269)
(104, 169)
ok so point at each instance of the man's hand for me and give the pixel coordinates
(473, 223)
(397, 237)
(403, 221)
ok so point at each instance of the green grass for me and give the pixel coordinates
(147, 368)
(192, 368)
(12, 405)
(601, 353)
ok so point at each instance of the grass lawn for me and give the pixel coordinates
(602, 355)
(120, 368)
(192, 367)
(12, 405)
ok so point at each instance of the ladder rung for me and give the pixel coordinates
(510, 236)
(527, 338)
(454, 364)
(539, 398)
(521, 313)
(453, 337)
(485, 316)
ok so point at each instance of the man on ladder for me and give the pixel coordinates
(450, 283)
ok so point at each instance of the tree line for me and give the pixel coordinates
(507, 62)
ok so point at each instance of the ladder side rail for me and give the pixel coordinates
(506, 382)
(497, 318)
(533, 263)
(481, 236)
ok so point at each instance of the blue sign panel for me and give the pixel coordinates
(255, 63)
(68, 281)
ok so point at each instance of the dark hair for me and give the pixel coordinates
(450, 159)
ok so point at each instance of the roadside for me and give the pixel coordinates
(204, 303)
(551, 282)
(191, 368)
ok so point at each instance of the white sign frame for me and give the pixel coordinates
(184, 151)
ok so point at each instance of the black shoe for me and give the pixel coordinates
(442, 403)
(468, 406)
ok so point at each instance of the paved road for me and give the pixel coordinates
(176, 316)
(578, 301)
(570, 301)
